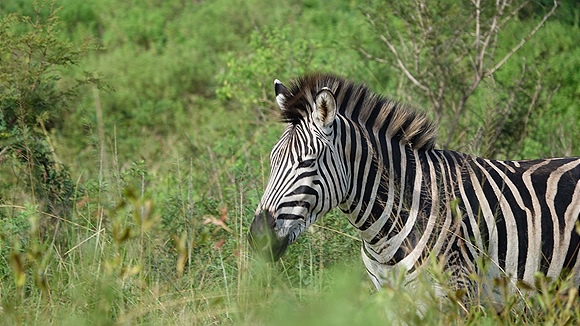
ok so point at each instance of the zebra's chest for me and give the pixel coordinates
(387, 266)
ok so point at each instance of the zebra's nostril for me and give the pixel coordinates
(270, 220)
(263, 221)
(262, 226)
(263, 239)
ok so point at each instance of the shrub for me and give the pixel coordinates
(33, 100)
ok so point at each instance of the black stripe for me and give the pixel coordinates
(304, 190)
(521, 231)
(294, 203)
(540, 181)
(564, 192)
(289, 217)
(493, 201)
(572, 253)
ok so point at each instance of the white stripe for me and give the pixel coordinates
(511, 259)
(488, 217)
(402, 183)
(397, 240)
(534, 254)
(414, 255)
(370, 233)
(530, 264)
(445, 175)
(478, 247)
(504, 163)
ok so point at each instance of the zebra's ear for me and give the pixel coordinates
(325, 111)
(281, 92)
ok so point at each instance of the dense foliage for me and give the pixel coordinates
(134, 141)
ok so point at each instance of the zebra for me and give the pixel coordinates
(345, 146)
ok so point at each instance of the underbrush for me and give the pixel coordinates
(129, 264)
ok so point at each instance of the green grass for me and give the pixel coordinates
(167, 157)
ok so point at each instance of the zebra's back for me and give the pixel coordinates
(526, 212)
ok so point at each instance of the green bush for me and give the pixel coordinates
(33, 101)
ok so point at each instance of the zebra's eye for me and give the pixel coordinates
(308, 163)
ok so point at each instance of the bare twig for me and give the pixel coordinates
(19, 207)
(398, 59)
(4, 150)
(476, 3)
(531, 106)
(371, 57)
(512, 14)
(402, 65)
(493, 30)
(523, 41)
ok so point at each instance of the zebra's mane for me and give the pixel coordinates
(358, 103)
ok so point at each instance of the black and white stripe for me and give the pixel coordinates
(375, 159)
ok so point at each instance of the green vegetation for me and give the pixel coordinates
(134, 142)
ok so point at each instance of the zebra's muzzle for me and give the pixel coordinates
(263, 238)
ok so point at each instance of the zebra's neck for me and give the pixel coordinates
(392, 212)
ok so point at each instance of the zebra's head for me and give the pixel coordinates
(307, 176)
